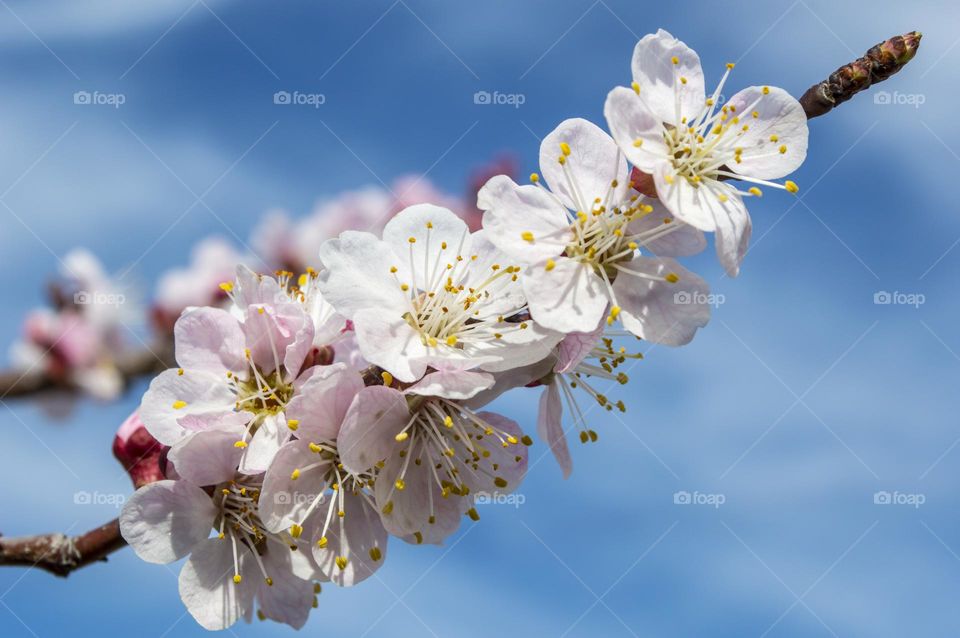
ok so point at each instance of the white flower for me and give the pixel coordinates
(168, 520)
(235, 377)
(581, 241)
(432, 453)
(668, 127)
(430, 292)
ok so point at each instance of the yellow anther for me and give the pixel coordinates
(565, 148)
(526, 440)
(472, 513)
(399, 484)
(534, 178)
(635, 87)
(227, 286)
(615, 312)
(295, 474)
(550, 265)
(512, 440)
(637, 143)
(296, 530)
(675, 60)
(316, 449)
(342, 562)
(412, 240)
(766, 90)
(451, 340)
(672, 277)
(387, 378)
(756, 192)
(393, 270)
(429, 224)
(791, 187)
(683, 80)
(419, 537)
(387, 508)
(180, 372)
(179, 405)
(730, 66)
(237, 578)
(293, 424)
(240, 444)
(782, 149)
(322, 542)
(722, 197)
(774, 138)
(527, 236)
(562, 160)
(668, 179)
(375, 554)
(499, 482)
(432, 342)
(448, 421)
(402, 436)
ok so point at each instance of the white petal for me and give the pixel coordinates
(207, 458)
(593, 164)
(164, 521)
(550, 427)
(388, 341)
(568, 298)
(375, 417)
(780, 122)
(574, 348)
(207, 588)
(452, 384)
(264, 444)
(659, 311)
(516, 347)
(354, 536)
(177, 404)
(513, 210)
(284, 500)
(322, 401)
(630, 120)
(431, 226)
(688, 203)
(209, 340)
(357, 274)
(290, 598)
(683, 240)
(733, 229)
(660, 79)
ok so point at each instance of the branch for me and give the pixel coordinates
(879, 63)
(60, 554)
(131, 365)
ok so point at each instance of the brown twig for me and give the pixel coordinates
(879, 63)
(60, 554)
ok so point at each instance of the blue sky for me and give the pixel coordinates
(801, 400)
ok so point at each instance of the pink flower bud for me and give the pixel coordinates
(141, 455)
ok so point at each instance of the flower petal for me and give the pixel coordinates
(452, 384)
(177, 404)
(357, 274)
(733, 229)
(567, 298)
(209, 340)
(550, 427)
(686, 202)
(263, 446)
(207, 587)
(660, 79)
(593, 163)
(574, 348)
(284, 500)
(321, 403)
(659, 311)
(290, 598)
(375, 417)
(780, 125)
(164, 521)
(390, 342)
(431, 227)
(513, 210)
(683, 239)
(358, 536)
(207, 458)
(637, 130)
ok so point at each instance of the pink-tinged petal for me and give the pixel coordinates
(289, 598)
(177, 404)
(517, 346)
(408, 510)
(284, 500)
(507, 463)
(569, 297)
(733, 229)
(775, 145)
(489, 260)
(513, 379)
(550, 427)
(637, 129)
(358, 537)
(321, 403)
(209, 340)
(390, 342)
(207, 588)
(264, 444)
(165, 520)
(660, 79)
(452, 384)
(683, 240)
(688, 203)
(431, 227)
(278, 334)
(207, 458)
(660, 311)
(357, 274)
(256, 289)
(574, 348)
(513, 210)
(375, 417)
(593, 164)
